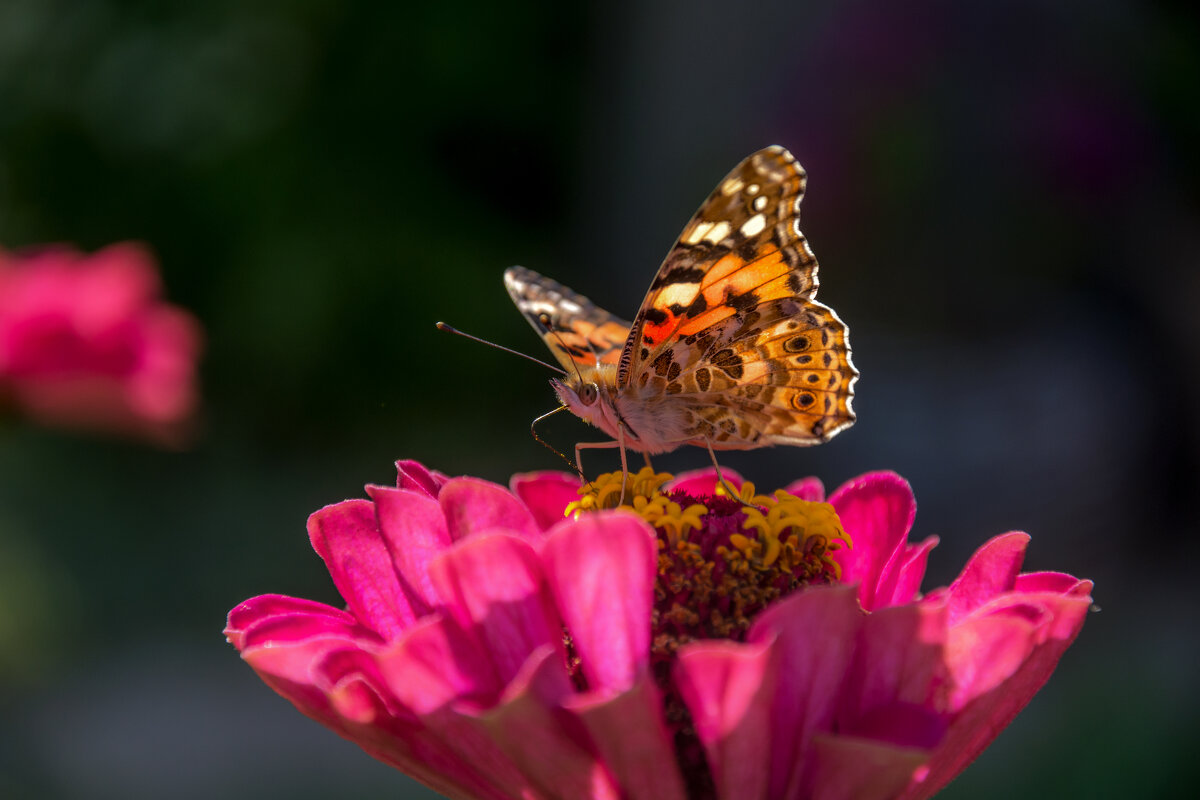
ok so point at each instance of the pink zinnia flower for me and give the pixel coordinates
(688, 646)
(86, 341)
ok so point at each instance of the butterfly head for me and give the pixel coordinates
(590, 395)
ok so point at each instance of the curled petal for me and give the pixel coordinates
(284, 651)
(910, 571)
(415, 476)
(1052, 582)
(990, 571)
(274, 606)
(877, 511)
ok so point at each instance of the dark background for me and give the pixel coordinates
(1004, 197)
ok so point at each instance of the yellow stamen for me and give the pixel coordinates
(739, 560)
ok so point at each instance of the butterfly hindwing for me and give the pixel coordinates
(575, 329)
(730, 330)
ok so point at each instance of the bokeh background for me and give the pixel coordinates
(1004, 197)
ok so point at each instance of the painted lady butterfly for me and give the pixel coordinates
(730, 349)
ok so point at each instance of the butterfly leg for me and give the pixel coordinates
(721, 478)
(541, 441)
(594, 446)
(620, 442)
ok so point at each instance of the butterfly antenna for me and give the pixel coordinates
(441, 326)
(548, 324)
(533, 429)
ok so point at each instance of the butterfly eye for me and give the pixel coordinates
(588, 394)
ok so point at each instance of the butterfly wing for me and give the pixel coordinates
(577, 331)
(730, 327)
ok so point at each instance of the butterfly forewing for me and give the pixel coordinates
(575, 329)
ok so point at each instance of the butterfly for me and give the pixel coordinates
(730, 349)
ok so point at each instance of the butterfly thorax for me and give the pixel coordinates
(642, 422)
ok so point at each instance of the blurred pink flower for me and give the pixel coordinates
(86, 341)
(492, 648)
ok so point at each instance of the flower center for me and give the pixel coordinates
(721, 560)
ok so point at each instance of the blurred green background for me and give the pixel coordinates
(1004, 198)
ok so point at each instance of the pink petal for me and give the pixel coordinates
(909, 570)
(899, 660)
(877, 511)
(700, 482)
(1055, 582)
(810, 489)
(436, 664)
(977, 724)
(631, 736)
(474, 506)
(529, 728)
(271, 606)
(272, 632)
(493, 587)
(346, 536)
(985, 650)
(415, 476)
(814, 634)
(283, 651)
(601, 568)
(547, 494)
(429, 740)
(414, 528)
(902, 725)
(990, 571)
(845, 768)
(351, 679)
(729, 688)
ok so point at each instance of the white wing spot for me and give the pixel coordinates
(760, 203)
(752, 189)
(678, 294)
(754, 226)
(540, 307)
(697, 233)
(731, 186)
(718, 232)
